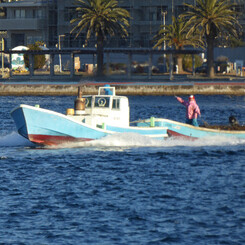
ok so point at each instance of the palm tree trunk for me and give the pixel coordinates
(180, 62)
(210, 56)
(100, 56)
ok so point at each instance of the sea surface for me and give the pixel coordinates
(124, 189)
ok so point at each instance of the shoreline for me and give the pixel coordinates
(60, 90)
(137, 85)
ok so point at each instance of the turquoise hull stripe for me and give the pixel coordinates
(198, 132)
(142, 131)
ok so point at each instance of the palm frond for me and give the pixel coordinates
(212, 17)
(175, 35)
(100, 18)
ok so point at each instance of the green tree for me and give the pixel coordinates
(101, 18)
(187, 62)
(3, 10)
(231, 42)
(39, 60)
(213, 18)
(175, 35)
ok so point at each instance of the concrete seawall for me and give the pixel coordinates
(124, 89)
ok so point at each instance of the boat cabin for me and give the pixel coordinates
(103, 109)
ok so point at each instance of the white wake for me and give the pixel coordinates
(14, 139)
(132, 140)
(125, 140)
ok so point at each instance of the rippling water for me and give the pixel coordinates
(124, 189)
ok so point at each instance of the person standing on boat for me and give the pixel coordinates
(192, 110)
(108, 90)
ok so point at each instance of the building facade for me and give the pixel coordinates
(27, 21)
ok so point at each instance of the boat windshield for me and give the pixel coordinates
(88, 101)
(102, 102)
(98, 101)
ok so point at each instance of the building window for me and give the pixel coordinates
(160, 13)
(33, 39)
(20, 13)
(239, 8)
(152, 16)
(70, 13)
(180, 9)
(39, 13)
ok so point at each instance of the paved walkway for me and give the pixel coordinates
(170, 83)
(130, 83)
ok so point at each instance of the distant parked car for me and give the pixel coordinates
(6, 64)
(219, 66)
(202, 69)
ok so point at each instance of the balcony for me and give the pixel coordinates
(22, 24)
(25, 3)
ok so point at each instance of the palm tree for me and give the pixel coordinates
(102, 18)
(175, 35)
(213, 18)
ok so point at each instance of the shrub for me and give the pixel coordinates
(222, 59)
(187, 62)
(39, 60)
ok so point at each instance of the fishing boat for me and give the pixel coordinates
(93, 117)
(178, 129)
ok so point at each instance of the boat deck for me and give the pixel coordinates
(225, 127)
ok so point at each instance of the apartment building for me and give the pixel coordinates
(25, 21)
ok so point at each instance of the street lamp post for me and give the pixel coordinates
(164, 42)
(172, 8)
(2, 35)
(60, 54)
(2, 49)
(164, 23)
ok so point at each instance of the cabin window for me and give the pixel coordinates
(116, 104)
(102, 102)
(88, 102)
